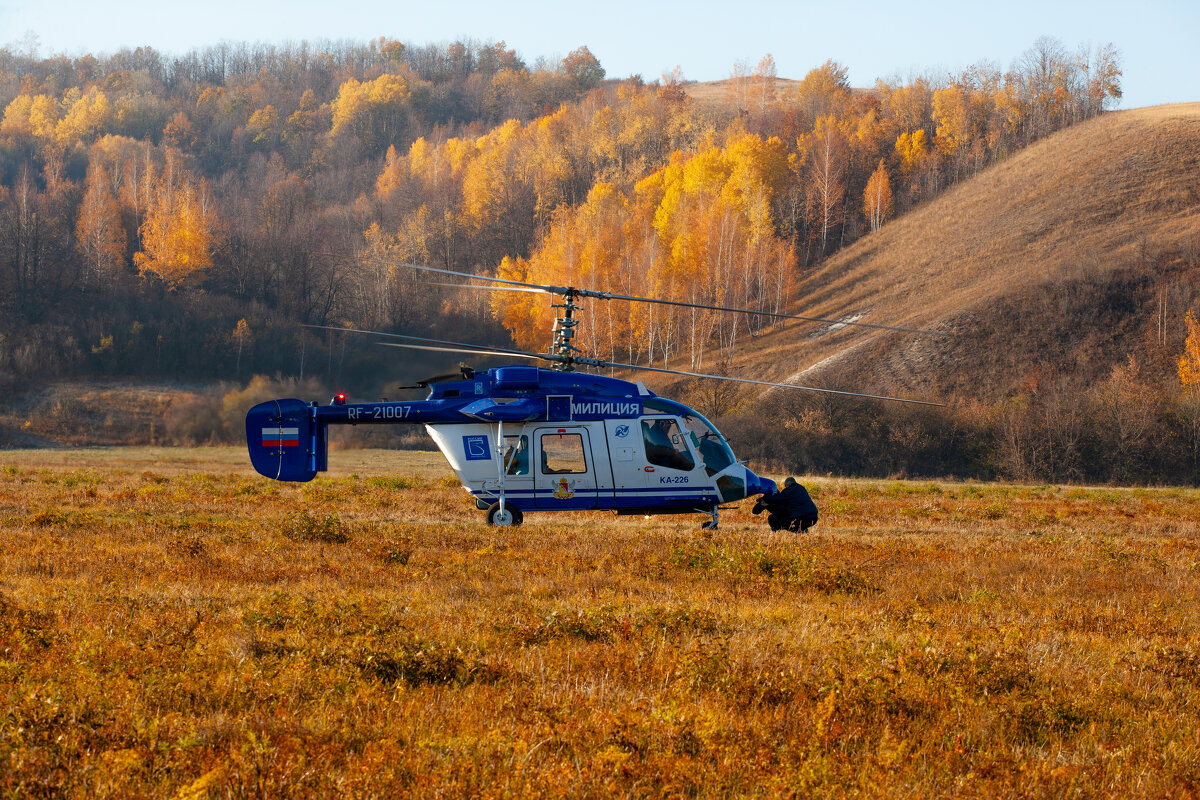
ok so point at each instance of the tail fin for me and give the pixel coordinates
(285, 442)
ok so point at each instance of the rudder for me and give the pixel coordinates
(284, 440)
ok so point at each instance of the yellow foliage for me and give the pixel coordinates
(1189, 362)
(523, 314)
(877, 197)
(86, 116)
(16, 116)
(698, 230)
(906, 107)
(951, 114)
(912, 148)
(27, 115)
(370, 109)
(177, 234)
(263, 124)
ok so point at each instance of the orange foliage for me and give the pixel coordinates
(177, 235)
(912, 148)
(699, 230)
(877, 197)
(1189, 362)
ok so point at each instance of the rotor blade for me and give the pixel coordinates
(534, 286)
(679, 303)
(488, 288)
(772, 314)
(460, 350)
(598, 363)
(504, 351)
(595, 362)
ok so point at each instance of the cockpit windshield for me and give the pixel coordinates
(709, 442)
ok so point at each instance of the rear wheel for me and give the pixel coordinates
(509, 516)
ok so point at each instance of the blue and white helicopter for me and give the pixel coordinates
(523, 439)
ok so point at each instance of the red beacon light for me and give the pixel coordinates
(339, 399)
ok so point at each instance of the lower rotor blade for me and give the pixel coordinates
(758, 383)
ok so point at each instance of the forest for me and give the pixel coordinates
(181, 217)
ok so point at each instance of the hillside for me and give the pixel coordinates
(1060, 218)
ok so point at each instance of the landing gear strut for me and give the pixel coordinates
(711, 525)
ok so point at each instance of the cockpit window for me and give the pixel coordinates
(711, 445)
(665, 445)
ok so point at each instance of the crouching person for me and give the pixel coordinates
(790, 508)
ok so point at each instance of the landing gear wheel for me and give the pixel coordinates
(711, 525)
(503, 519)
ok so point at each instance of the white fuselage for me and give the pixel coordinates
(645, 464)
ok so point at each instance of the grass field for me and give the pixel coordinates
(173, 626)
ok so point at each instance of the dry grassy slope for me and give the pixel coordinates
(89, 413)
(1081, 202)
(718, 91)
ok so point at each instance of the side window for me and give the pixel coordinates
(516, 455)
(665, 445)
(562, 453)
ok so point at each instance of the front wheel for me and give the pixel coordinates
(509, 516)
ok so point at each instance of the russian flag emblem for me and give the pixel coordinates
(281, 437)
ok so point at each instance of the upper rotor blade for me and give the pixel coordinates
(535, 286)
(679, 303)
(487, 288)
(595, 362)
(503, 351)
(460, 350)
(772, 314)
(599, 363)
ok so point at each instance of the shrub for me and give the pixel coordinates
(304, 526)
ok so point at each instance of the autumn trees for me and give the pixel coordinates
(877, 197)
(177, 230)
(277, 183)
(99, 232)
(698, 230)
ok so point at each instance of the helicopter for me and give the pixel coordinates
(523, 438)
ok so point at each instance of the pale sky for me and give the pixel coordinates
(1157, 38)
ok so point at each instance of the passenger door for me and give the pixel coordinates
(565, 472)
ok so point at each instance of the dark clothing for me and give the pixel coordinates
(790, 508)
(800, 524)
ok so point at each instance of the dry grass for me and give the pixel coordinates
(192, 632)
(1084, 201)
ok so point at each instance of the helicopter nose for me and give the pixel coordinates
(757, 485)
